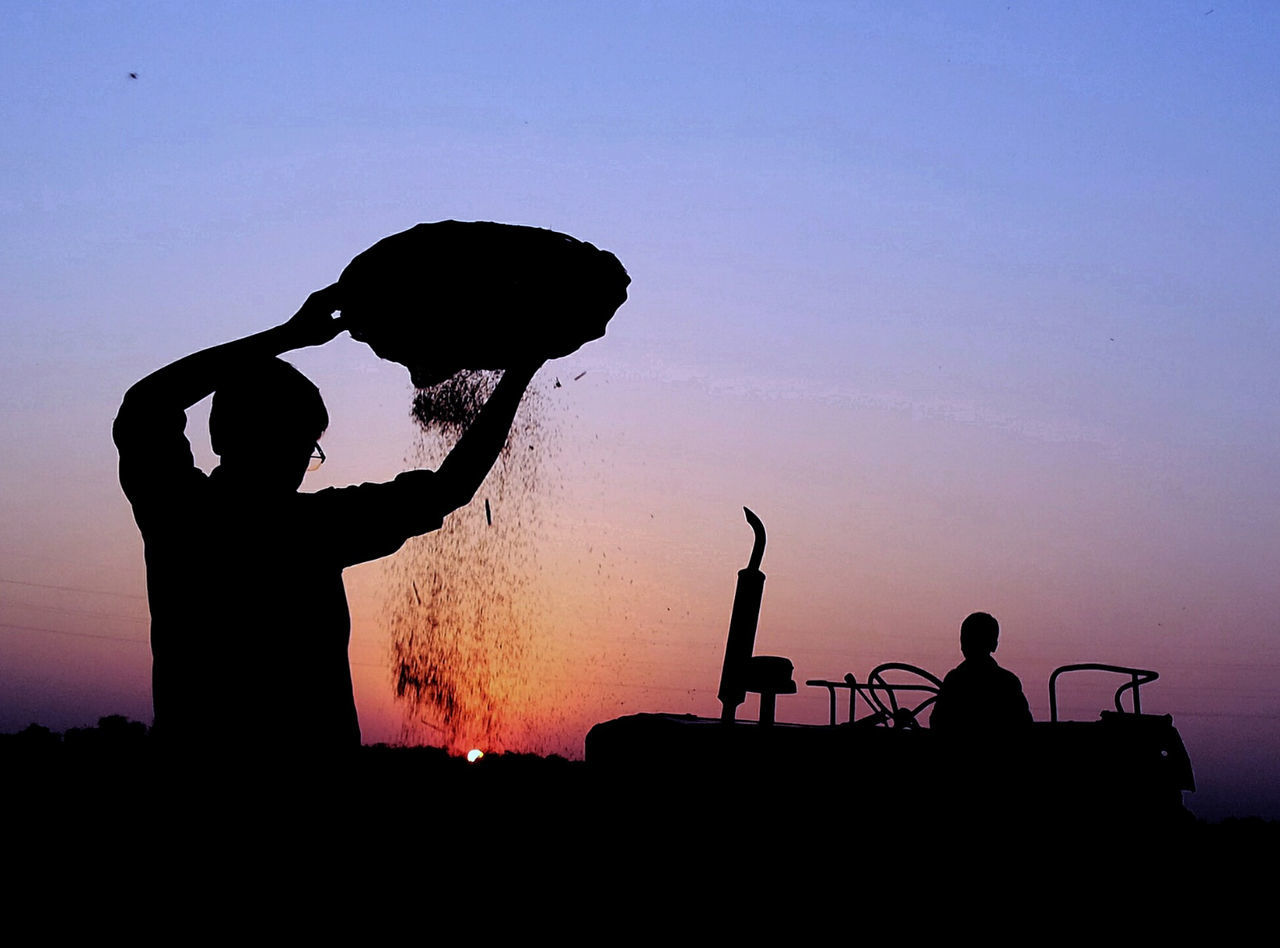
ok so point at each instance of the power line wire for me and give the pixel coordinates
(79, 635)
(80, 589)
(24, 604)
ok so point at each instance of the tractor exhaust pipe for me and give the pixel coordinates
(742, 626)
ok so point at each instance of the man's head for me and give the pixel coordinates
(979, 634)
(265, 422)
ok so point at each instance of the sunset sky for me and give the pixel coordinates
(974, 303)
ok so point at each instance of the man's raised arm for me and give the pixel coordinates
(467, 465)
(183, 383)
(149, 428)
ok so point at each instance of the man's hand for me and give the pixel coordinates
(314, 324)
(524, 370)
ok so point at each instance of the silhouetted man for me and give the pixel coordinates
(978, 695)
(249, 620)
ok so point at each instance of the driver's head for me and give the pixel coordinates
(265, 422)
(979, 634)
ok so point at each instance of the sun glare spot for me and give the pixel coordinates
(473, 755)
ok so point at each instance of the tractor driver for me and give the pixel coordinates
(978, 696)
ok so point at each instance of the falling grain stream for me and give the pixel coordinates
(462, 602)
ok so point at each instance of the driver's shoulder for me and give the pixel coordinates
(1009, 679)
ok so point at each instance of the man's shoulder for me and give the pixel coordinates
(983, 673)
(368, 521)
(371, 492)
(1008, 677)
(969, 669)
(164, 499)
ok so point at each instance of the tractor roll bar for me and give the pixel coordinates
(1137, 676)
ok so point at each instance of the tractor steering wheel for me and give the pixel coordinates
(894, 714)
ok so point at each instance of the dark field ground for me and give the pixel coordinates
(100, 804)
